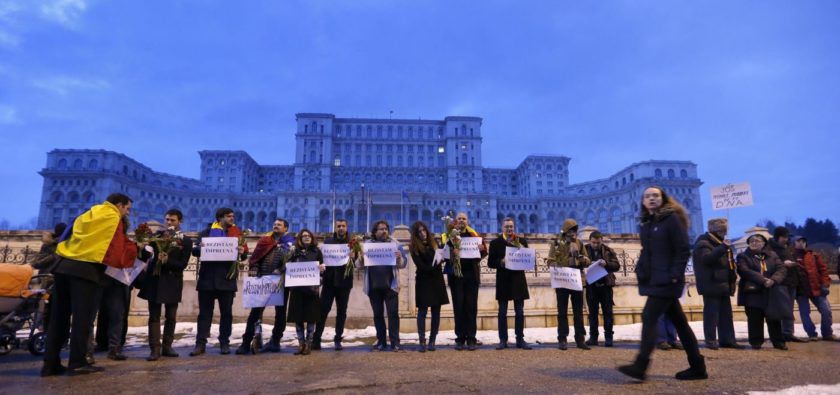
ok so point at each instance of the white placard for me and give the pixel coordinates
(566, 277)
(302, 274)
(262, 291)
(441, 254)
(732, 196)
(219, 249)
(335, 254)
(469, 247)
(520, 258)
(126, 276)
(595, 272)
(380, 254)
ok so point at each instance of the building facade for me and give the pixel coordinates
(363, 170)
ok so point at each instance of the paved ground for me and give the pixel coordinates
(356, 370)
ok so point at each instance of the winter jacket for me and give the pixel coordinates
(168, 285)
(268, 253)
(430, 288)
(665, 252)
(212, 276)
(608, 255)
(510, 284)
(751, 271)
(815, 271)
(794, 277)
(714, 267)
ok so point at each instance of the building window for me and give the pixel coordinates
(337, 161)
(441, 149)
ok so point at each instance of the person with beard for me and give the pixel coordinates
(660, 272)
(816, 284)
(600, 293)
(568, 251)
(716, 275)
(510, 285)
(304, 302)
(760, 270)
(780, 244)
(464, 287)
(430, 289)
(336, 287)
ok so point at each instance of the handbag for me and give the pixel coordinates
(779, 304)
(750, 287)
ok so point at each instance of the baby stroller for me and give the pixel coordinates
(21, 294)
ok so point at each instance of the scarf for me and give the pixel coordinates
(728, 250)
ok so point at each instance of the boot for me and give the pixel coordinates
(168, 351)
(154, 355)
(243, 349)
(431, 346)
(200, 348)
(561, 344)
(224, 348)
(521, 344)
(301, 346)
(316, 344)
(696, 371)
(608, 340)
(712, 345)
(115, 353)
(307, 347)
(637, 369)
(502, 345)
(89, 359)
(593, 341)
(422, 345)
(273, 345)
(580, 343)
(338, 346)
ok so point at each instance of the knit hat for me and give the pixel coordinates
(569, 225)
(718, 225)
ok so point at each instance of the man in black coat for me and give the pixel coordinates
(510, 284)
(214, 284)
(465, 289)
(780, 244)
(336, 286)
(600, 293)
(716, 274)
(163, 283)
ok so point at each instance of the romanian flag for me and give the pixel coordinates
(98, 236)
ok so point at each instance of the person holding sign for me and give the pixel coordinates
(464, 288)
(382, 282)
(567, 251)
(661, 275)
(214, 284)
(163, 287)
(97, 238)
(510, 284)
(304, 302)
(430, 289)
(338, 283)
(268, 255)
(600, 292)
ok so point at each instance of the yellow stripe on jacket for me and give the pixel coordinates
(92, 234)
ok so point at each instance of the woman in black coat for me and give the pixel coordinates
(304, 302)
(760, 270)
(430, 289)
(661, 276)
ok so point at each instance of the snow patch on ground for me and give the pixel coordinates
(811, 389)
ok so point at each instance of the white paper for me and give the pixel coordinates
(441, 254)
(262, 291)
(595, 272)
(520, 258)
(469, 247)
(335, 254)
(302, 274)
(380, 254)
(566, 277)
(219, 249)
(126, 276)
(730, 196)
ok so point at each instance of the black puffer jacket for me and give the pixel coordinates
(665, 252)
(715, 273)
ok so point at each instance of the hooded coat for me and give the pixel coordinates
(665, 252)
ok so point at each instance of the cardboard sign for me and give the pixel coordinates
(335, 254)
(732, 196)
(380, 254)
(566, 277)
(595, 272)
(126, 276)
(302, 274)
(520, 258)
(219, 249)
(262, 291)
(469, 247)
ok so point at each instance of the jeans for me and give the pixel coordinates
(381, 300)
(518, 321)
(600, 296)
(168, 326)
(665, 331)
(563, 296)
(787, 325)
(206, 304)
(717, 317)
(421, 322)
(256, 314)
(341, 295)
(755, 327)
(656, 307)
(821, 302)
(307, 336)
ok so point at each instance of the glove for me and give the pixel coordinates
(768, 283)
(824, 291)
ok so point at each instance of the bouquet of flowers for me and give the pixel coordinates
(355, 245)
(142, 233)
(169, 239)
(454, 236)
(234, 267)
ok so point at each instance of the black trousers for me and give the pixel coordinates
(717, 319)
(421, 322)
(341, 295)
(206, 305)
(104, 320)
(563, 296)
(465, 307)
(755, 327)
(74, 298)
(670, 307)
(256, 314)
(115, 299)
(381, 300)
(600, 296)
(168, 326)
(518, 321)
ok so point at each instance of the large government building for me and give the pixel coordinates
(363, 170)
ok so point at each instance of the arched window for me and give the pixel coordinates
(77, 164)
(93, 164)
(62, 164)
(670, 173)
(683, 173)
(657, 173)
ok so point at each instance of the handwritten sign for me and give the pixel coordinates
(262, 291)
(219, 249)
(566, 277)
(595, 272)
(302, 274)
(520, 258)
(380, 254)
(335, 254)
(126, 276)
(732, 196)
(469, 247)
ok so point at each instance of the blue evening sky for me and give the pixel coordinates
(748, 90)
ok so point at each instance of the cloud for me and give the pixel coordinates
(8, 115)
(64, 12)
(63, 85)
